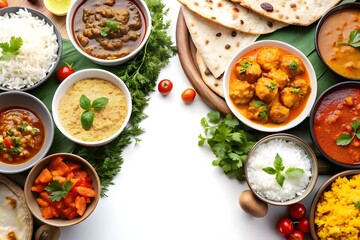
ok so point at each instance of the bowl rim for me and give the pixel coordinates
(113, 62)
(329, 90)
(331, 11)
(29, 195)
(77, 76)
(49, 133)
(308, 150)
(313, 81)
(14, 9)
(318, 194)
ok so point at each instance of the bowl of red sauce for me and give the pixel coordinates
(335, 124)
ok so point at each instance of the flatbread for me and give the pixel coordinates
(215, 84)
(215, 43)
(233, 16)
(296, 12)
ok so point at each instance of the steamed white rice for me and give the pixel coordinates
(37, 54)
(265, 184)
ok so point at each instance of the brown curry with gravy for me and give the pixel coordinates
(269, 86)
(109, 29)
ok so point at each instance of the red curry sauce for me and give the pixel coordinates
(334, 116)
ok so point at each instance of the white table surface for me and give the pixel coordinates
(168, 188)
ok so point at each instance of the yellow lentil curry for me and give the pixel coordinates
(106, 121)
(336, 215)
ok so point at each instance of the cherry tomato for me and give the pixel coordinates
(296, 235)
(8, 142)
(188, 95)
(64, 71)
(304, 225)
(3, 3)
(165, 86)
(285, 226)
(297, 210)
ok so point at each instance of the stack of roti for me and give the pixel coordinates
(219, 28)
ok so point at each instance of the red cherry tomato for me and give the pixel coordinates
(188, 95)
(8, 142)
(297, 210)
(285, 226)
(296, 235)
(165, 86)
(64, 71)
(304, 225)
(3, 3)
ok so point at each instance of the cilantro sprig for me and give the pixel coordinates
(58, 191)
(278, 169)
(354, 39)
(244, 66)
(11, 48)
(228, 141)
(87, 117)
(345, 139)
(110, 26)
(357, 204)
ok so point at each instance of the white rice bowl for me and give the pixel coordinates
(38, 54)
(265, 184)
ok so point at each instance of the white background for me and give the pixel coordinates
(168, 188)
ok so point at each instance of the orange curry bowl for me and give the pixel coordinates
(270, 86)
(335, 124)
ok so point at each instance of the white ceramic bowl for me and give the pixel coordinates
(70, 31)
(292, 50)
(88, 74)
(30, 102)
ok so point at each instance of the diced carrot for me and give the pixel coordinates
(45, 195)
(55, 211)
(87, 199)
(80, 205)
(42, 202)
(38, 188)
(46, 212)
(58, 167)
(70, 176)
(69, 213)
(44, 177)
(70, 198)
(79, 173)
(75, 181)
(84, 191)
(73, 166)
(60, 179)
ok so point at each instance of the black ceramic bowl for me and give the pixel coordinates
(322, 47)
(343, 112)
(39, 15)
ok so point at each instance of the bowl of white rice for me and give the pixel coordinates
(37, 48)
(281, 169)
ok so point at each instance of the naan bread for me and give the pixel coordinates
(233, 16)
(296, 12)
(215, 43)
(215, 84)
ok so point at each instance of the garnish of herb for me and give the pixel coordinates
(271, 85)
(354, 39)
(11, 48)
(58, 191)
(244, 66)
(228, 141)
(345, 139)
(87, 117)
(293, 65)
(295, 90)
(264, 114)
(278, 169)
(110, 26)
(357, 204)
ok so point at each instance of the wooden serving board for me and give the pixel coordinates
(186, 52)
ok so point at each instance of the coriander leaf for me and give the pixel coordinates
(214, 117)
(295, 90)
(294, 172)
(201, 140)
(355, 125)
(87, 119)
(357, 204)
(270, 170)
(271, 85)
(280, 179)
(11, 49)
(85, 102)
(244, 66)
(58, 191)
(231, 122)
(110, 26)
(278, 163)
(357, 134)
(258, 104)
(344, 140)
(354, 39)
(99, 103)
(293, 65)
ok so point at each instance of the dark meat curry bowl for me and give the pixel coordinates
(335, 124)
(108, 32)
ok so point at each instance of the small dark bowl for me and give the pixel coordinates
(47, 20)
(313, 112)
(325, 187)
(334, 10)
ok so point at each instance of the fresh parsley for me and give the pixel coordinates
(272, 86)
(110, 26)
(345, 139)
(11, 48)
(264, 113)
(278, 169)
(357, 204)
(295, 90)
(87, 117)
(228, 141)
(294, 65)
(354, 39)
(58, 191)
(244, 66)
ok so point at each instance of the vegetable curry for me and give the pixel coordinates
(269, 86)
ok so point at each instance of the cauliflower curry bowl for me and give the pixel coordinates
(270, 86)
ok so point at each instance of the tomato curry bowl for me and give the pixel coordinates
(335, 124)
